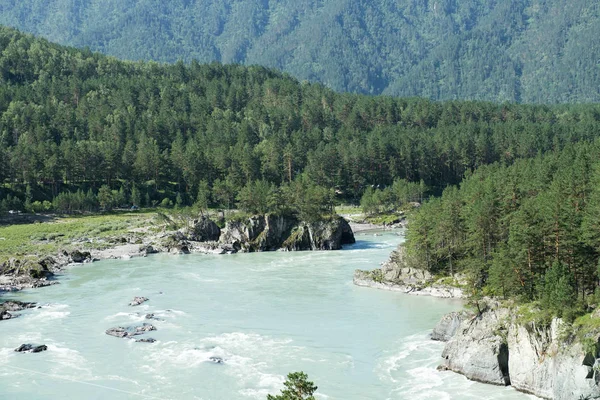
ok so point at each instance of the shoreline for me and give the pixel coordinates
(36, 270)
(439, 291)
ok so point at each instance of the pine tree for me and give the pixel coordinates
(297, 387)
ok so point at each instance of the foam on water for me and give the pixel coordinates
(199, 278)
(250, 358)
(69, 362)
(49, 312)
(131, 317)
(5, 355)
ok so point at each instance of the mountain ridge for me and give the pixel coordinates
(530, 51)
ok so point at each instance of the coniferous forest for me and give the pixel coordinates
(80, 131)
(74, 121)
(530, 51)
(528, 231)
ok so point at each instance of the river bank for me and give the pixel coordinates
(31, 253)
(395, 275)
(501, 344)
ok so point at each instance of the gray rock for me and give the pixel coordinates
(4, 315)
(213, 248)
(17, 274)
(448, 325)
(153, 317)
(148, 249)
(9, 307)
(13, 305)
(175, 243)
(204, 230)
(478, 351)
(401, 273)
(257, 233)
(78, 256)
(122, 332)
(495, 348)
(31, 348)
(13, 282)
(542, 363)
(216, 360)
(119, 332)
(270, 232)
(137, 300)
(145, 340)
(321, 235)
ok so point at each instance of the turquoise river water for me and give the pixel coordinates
(265, 314)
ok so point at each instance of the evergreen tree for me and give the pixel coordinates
(297, 387)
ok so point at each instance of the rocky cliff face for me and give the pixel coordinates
(269, 232)
(398, 274)
(204, 230)
(493, 347)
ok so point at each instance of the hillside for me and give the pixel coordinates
(72, 122)
(530, 51)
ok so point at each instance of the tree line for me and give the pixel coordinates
(529, 231)
(73, 121)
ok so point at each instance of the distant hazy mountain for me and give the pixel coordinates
(501, 50)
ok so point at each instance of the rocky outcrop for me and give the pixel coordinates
(321, 235)
(204, 230)
(145, 340)
(480, 351)
(494, 347)
(31, 348)
(78, 257)
(448, 325)
(542, 362)
(257, 233)
(270, 232)
(8, 308)
(129, 332)
(399, 274)
(18, 274)
(175, 243)
(137, 300)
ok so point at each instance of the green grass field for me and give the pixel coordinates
(55, 233)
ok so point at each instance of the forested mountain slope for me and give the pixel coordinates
(528, 232)
(541, 51)
(72, 120)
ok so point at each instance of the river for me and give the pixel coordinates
(264, 314)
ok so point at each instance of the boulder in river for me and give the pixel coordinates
(9, 307)
(31, 348)
(122, 332)
(145, 340)
(153, 317)
(4, 315)
(216, 360)
(137, 300)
